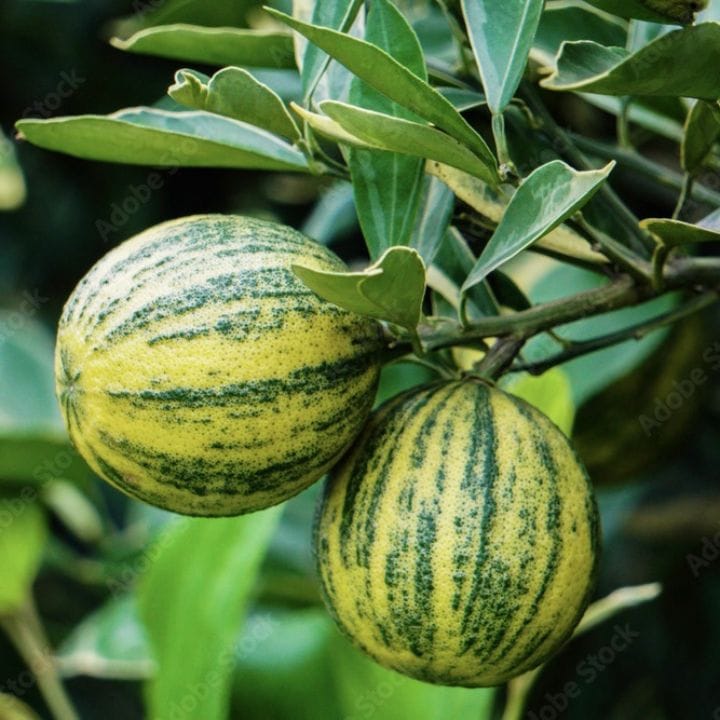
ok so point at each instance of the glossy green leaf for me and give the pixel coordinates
(551, 393)
(144, 136)
(22, 541)
(12, 180)
(434, 218)
(235, 93)
(386, 75)
(674, 64)
(546, 198)
(463, 99)
(213, 45)
(680, 12)
(675, 233)
(387, 185)
(366, 689)
(110, 643)
(702, 130)
(330, 14)
(405, 136)
(391, 289)
(192, 600)
(501, 34)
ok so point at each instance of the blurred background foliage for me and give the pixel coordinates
(108, 597)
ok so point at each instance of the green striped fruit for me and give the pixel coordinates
(196, 372)
(457, 541)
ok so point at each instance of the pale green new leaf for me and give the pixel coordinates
(386, 75)
(235, 93)
(392, 289)
(213, 45)
(146, 136)
(192, 599)
(501, 35)
(405, 136)
(675, 64)
(546, 198)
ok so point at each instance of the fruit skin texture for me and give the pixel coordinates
(197, 373)
(457, 542)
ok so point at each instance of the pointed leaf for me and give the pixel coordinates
(330, 14)
(213, 45)
(675, 64)
(22, 540)
(392, 289)
(236, 94)
(381, 71)
(145, 136)
(192, 600)
(702, 130)
(405, 136)
(548, 197)
(489, 204)
(674, 233)
(501, 34)
(387, 186)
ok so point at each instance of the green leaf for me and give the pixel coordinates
(144, 136)
(680, 12)
(192, 599)
(367, 689)
(213, 45)
(675, 233)
(674, 64)
(235, 93)
(452, 263)
(501, 34)
(546, 198)
(565, 22)
(391, 289)
(551, 393)
(407, 137)
(387, 186)
(284, 669)
(22, 540)
(333, 215)
(386, 75)
(432, 222)
(330, 14)
(12, 181)
(111, 643)
(491, 205)
(702, 130)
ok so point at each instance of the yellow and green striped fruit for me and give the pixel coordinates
(457, 542)
(196, 372)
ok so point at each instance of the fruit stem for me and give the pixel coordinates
(499, 358)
